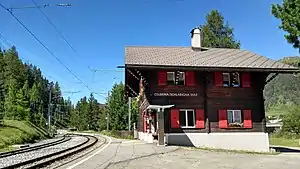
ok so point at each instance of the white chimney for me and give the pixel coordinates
(196, 38)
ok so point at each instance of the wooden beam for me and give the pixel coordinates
(131, 90)
(133, 74)
(271, 78)
(141, 76)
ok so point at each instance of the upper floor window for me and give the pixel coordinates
(231, 79)
(175, 78)
(227, 79)
(179, 78)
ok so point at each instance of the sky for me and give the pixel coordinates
(99, 30)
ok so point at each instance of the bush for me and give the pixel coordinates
(291, 123)
(118, 134)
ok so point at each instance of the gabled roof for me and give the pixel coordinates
(209, 58)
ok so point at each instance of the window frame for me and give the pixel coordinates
(179, 72)
(186, 118)
(239, 79)
(230, 75)
(173, 73)
(229, 80)
(233, 112)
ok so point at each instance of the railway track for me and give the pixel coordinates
(28, 149)
(44, 155)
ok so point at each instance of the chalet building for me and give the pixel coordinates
(203, 97)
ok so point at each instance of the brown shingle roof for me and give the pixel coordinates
(213, 57)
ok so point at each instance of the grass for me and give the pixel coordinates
(18, 132)
(281, 141)
(9, 148)
(236, 151)
(275, 112)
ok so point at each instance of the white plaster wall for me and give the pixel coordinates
(145, 137)
(249, 141)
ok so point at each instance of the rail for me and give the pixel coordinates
(28, 149)
(47, 159)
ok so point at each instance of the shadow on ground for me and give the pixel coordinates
(286, 149)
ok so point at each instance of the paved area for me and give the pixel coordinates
(137, 154)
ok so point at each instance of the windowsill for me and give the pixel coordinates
(187, 127)
(231, 86)
(235, 127)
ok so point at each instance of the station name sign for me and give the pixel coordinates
(175, 94)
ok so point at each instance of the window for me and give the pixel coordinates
(226, 79)
(231, 79)
(180, 80)
(234, 116)
(187, 118)
(177, 78)
(171, 78)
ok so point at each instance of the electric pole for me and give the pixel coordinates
(49, 109)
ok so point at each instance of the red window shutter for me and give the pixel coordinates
(175, 118)
(247, 119)
(162, 78)
(190, 78)
(223, 119)
(246, 79)
(200, 118)
(218, 79)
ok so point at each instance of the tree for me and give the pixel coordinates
(2, 96)
(118, 108)
(10, 101)
(217, 34)
(289, 14)
(291, 122)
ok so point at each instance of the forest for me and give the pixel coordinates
(24, 96)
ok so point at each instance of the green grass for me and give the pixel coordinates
(19, 132)
(275, 112)
(9, 148)
(280, 141)
(235, 151)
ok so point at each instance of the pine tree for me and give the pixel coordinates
(217, 34)
(289, 14)
(2, 96)
(118, 108)
(10, 101)
(22, 103)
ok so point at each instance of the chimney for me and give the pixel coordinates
(196, 38)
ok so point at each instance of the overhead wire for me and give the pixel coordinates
(45, 47)
(62, 36)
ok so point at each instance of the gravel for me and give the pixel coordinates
(62, 163)
(14, 159)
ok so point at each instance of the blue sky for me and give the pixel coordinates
(100, 29)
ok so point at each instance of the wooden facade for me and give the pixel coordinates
(203, 93)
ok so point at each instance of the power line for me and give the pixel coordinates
(48, 50)
(62, 36)
(56, 29)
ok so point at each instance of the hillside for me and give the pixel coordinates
(19, 132)
(283, 91)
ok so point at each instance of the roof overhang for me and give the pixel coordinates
(250, 69)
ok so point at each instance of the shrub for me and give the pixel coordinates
(291, 123)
